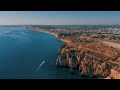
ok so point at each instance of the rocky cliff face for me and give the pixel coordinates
(88, 62)
(90, 57)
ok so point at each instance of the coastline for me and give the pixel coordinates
(66, 41)
(92, 55)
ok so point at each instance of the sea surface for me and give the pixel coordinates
(27, 54)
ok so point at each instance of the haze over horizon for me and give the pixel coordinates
(59, 17)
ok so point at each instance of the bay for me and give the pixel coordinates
(27, 54)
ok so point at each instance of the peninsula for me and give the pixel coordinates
(89, 49)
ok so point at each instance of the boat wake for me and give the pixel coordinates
(40, 65)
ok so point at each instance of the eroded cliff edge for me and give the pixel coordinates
(90, 57)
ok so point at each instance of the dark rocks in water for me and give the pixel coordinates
(61, 63)
(71, 71)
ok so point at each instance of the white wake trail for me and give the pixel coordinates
(40, 65)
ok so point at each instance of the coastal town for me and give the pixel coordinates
(92, 50)
(95, 31)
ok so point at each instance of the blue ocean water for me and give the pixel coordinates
(27, 54)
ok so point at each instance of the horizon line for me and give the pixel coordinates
(56, 24)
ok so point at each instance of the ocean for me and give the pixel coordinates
(28, 54)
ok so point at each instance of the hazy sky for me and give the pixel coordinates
(59, 17)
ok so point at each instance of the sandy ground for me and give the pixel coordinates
(114, 45)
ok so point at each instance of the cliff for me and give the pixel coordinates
(91, 58)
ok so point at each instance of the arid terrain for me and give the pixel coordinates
(115, 45)
(91, 57)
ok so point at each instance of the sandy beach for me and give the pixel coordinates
(115, 45)
(54, 35)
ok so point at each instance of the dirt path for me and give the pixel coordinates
(95, 51)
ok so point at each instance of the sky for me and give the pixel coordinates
(59, 17)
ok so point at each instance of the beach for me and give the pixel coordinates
(56, 35)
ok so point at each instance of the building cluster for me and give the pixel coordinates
(94, 31)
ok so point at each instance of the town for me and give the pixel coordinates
(107, 32)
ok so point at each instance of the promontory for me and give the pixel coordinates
(92, 51)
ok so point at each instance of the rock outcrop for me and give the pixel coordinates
(91, 60)
(114, 75)
(90, 57)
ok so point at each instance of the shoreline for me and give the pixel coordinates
(66, 41)
(92, 55)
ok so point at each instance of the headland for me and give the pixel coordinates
(91, 57)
